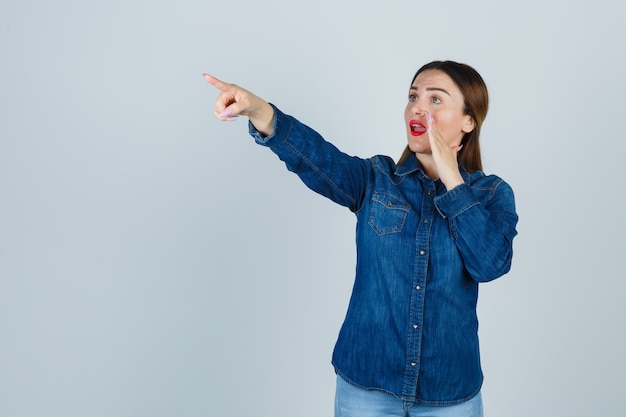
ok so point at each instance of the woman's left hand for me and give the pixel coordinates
(444, 155)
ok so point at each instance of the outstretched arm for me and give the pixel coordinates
(319, 164)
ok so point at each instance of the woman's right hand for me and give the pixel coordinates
(234, 101)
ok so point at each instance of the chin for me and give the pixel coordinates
(419, 147)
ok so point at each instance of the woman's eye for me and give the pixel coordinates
(436, 100)
(412, 98)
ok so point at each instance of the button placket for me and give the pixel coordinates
(422, 240)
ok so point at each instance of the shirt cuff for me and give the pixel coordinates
(281, 127)
(455, 201)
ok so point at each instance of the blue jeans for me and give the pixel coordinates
(351, 401)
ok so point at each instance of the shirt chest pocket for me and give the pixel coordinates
(388, 213)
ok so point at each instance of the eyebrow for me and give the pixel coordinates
(432, 89)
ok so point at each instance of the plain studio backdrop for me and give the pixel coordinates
(156, 262)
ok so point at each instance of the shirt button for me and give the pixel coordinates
(425, 220)
(422, 252)
(413, 364)
(415, 326)
(418, 288)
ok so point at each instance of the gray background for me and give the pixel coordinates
(156, 262)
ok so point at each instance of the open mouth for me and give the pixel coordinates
(417, 128)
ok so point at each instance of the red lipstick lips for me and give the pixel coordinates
(417, 128)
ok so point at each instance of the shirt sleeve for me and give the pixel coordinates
(483, 229)
(319, 164)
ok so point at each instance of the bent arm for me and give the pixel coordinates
(483, 229)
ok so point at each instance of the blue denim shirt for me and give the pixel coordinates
(411, 327)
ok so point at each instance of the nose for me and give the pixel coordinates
(417, 108)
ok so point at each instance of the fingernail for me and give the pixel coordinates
(226, 113)
(429, 118)
(459, 148)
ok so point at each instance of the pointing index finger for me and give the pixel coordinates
(220, 85)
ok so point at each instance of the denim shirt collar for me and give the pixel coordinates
(411, 165)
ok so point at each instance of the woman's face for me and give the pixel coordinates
(433, 91)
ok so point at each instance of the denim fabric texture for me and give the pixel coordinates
(411, 328)
(351, 401)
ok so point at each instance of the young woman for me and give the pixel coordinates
(429, 229)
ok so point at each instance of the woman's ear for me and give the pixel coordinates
(468, 123)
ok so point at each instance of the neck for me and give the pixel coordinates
(428, 165)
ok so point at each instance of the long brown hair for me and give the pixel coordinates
(476, 98)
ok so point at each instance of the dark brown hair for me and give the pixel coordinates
(476, 98)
